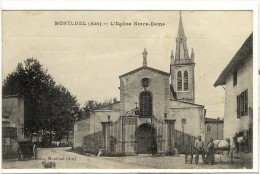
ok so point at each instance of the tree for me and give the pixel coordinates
(64, 109)
(47, 107)
(31, 81)
(91, 105)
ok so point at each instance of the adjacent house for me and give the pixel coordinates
(214, 129)
(237, 78)
(12, 124)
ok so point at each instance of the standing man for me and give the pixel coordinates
(236, 143)
(35, 150)
(210, 158)
(199, 145)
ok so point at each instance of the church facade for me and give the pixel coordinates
(155, 109)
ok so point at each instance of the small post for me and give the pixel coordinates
(183, 122)
(136, 105)
(170, 136)
(165, 115)
(217, 126)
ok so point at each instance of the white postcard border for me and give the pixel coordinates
(153, 5)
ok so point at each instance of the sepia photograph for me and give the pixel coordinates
(143, 89)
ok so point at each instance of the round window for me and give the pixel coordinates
(145, 82)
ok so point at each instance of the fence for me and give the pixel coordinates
(183, 140)
(93, 142)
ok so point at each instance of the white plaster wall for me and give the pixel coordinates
(92, 125)
(81, 129)
(193, 115)
(232, 124)
(101, 116)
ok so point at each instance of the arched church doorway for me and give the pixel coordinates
(145, 136)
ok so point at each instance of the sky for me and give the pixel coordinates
(88, 60)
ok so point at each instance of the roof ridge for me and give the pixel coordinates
(98, 107)
(186, 102)
(145, 67)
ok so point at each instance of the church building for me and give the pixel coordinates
(156, 112)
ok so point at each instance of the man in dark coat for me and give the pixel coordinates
(236, 143)
(210, 155)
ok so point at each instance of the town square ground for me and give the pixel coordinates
(66, 159)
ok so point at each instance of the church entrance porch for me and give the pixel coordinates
(132, 135)
(145, 136)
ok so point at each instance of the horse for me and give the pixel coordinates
(228, 145)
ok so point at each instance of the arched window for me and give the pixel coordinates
(179, 81)
(146, 104)
(186, 81)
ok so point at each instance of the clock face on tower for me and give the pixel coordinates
(145, 82)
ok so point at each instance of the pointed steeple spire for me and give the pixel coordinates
(145, 57)
(172, 58)
(181, 46)
(192, 56)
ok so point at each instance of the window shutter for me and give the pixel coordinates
(235, 78)
(242, 102)
(238, 106)
(246, 102)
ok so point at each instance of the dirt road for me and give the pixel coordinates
(65, 159)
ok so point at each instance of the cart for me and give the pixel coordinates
(25, 150)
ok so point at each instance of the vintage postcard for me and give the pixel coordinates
(135, 89)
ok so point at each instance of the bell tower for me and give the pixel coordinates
(182, 68)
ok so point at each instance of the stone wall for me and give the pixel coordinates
(130, 88)
(13, 108)
(92, 125)
(93, 143)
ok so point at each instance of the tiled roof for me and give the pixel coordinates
(110, 104)
(186, 102)
(213, 120)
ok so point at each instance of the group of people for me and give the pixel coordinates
(203, 150)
